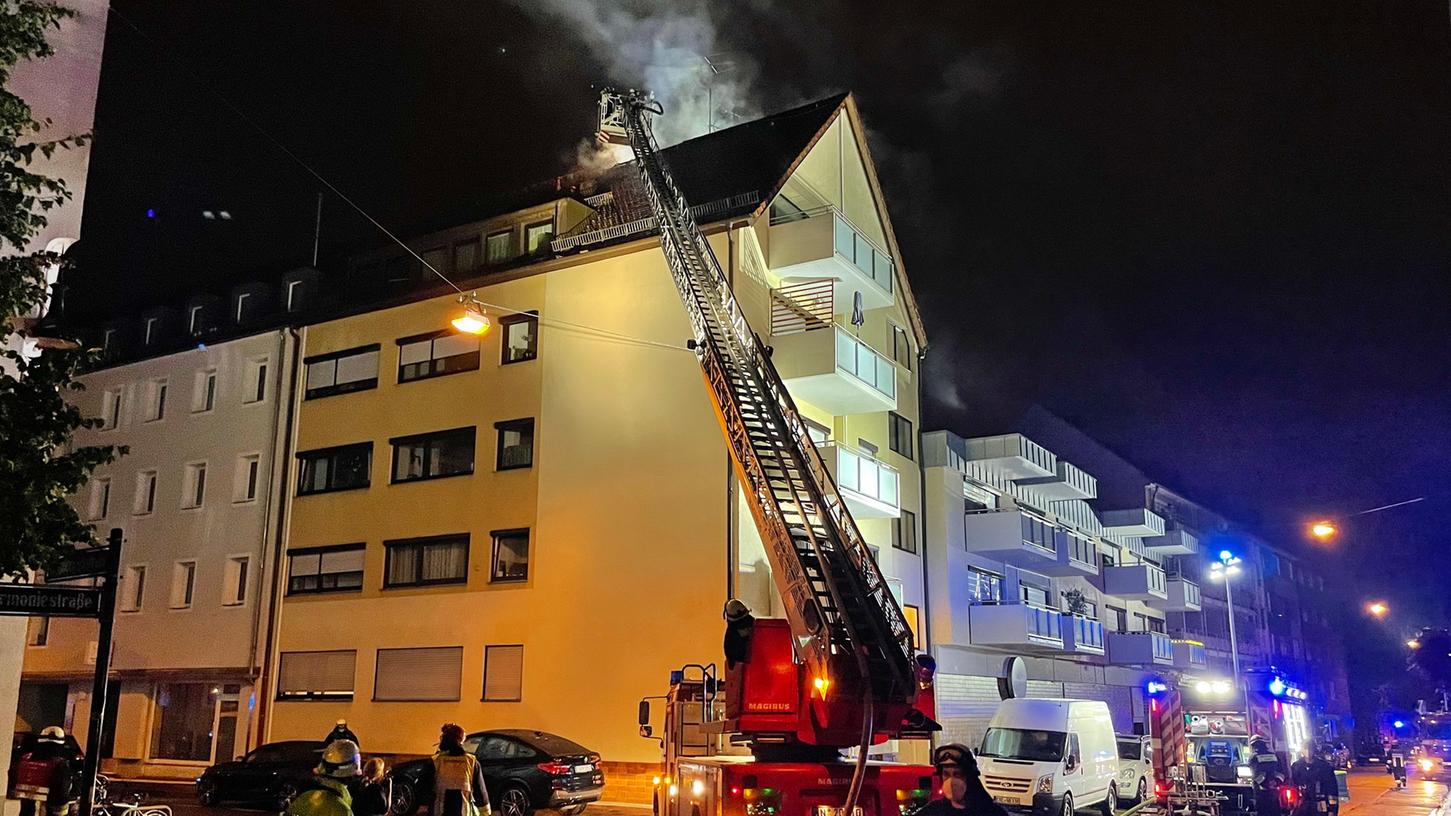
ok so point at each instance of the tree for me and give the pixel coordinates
(39, 468)
(1431, 657)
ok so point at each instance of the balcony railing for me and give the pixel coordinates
(1082, 634)
(822, 242)
(859, 360)
(836, 372)
(802, 307)
(1140, 648)
(1014, 537)
(1015, 625)
(875, 486)
(1144, 582)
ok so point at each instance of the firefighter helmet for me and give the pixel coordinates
(954, 755)
(736, 610)
(52, 733)
(341, 760)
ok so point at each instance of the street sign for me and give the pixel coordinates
(64, 602)
(91, 562)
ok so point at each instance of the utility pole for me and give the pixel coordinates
(100, 685)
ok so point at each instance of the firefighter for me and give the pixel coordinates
(46, 775)
(341, 731)
(1315, 778)
(458, 781)
(1396, 766)
(1268, 776)
(962, 790)
(740, 625)
(339, 769)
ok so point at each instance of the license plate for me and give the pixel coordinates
(583, 768)
(828, 810)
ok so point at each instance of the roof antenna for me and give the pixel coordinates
(317, 229)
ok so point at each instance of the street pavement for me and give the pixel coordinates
(182, 802)
(1373, 793)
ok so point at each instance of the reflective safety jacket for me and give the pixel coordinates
(329, 798)
(458, 786)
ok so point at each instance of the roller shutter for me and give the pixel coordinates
(965, 704)
(1119, 698)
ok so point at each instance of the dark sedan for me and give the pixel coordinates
(523, 770)
(271, 775)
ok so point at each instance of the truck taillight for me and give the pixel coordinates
(761, 801)
(555, 768)
(909, 800)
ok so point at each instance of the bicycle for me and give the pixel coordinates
(103, 805)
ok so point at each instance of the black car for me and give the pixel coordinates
(523, 770)
(272, 774)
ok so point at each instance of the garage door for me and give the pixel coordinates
(1119, 698)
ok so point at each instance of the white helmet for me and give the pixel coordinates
(341, 760)
(52, 733)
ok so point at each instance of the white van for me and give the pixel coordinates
(1051, 757)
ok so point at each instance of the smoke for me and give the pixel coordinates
(671, 49)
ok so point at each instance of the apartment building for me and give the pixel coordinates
(196, 500)
(532, 528)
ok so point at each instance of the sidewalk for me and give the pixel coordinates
(1373, 793)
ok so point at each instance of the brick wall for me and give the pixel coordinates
(630, 782)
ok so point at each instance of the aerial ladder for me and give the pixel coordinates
(857, 679)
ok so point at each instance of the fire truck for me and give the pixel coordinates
(840, 670)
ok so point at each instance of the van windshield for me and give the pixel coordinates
(1023, 743)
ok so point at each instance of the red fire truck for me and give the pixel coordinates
(840, 671)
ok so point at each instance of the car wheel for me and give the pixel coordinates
(286, 792)
(514, 801)
(1143, 791)
(206, 793)
(404, 801)
(1067, 805)
(1110, 802)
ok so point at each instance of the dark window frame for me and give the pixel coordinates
(335, 389)
(434, 369)
(901, 345)
(494, 536)
(510, 252)
(478, 247)
(509, 425)
(895, 425)
(471, 430)
(484, 692)
(281, 695)
(321, 590)
(505, 323)
(900, 526)
(302, 456)
(392, 545)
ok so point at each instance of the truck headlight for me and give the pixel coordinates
(1045, 783)
(1243, 772)
(1426, 763)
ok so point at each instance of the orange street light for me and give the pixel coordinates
(1413, 643)
(1324, 530)
(475, 319)
(1377, 609)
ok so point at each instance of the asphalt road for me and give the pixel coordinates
(182, 801)
(1373, 793)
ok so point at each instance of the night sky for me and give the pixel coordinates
(1217, 237)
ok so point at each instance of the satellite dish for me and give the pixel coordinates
(1013, 681)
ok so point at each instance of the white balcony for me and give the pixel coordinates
(1140, 582)
(872, 489)
(822, 243)
(1135, 522)
(1076, 556)
(1081, 635)
(1183, 596)
(1011, 456)
(1173, 542)
(1015, 626)
(1190, 655)
(1066, 484)
(1014, 537)
(1140, 649)
(833, 370)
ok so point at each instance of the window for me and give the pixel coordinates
(244, 482)
(538, 236)
(1154, 625)
(984, 587)
(899, 432)
(427, 561)
(1108, 559)
(100, 498)
(437, 258)
(133, 589)
(110, 409)
(913, 615)
(434, 355)
(325, 569)
(1034, 595)
(466, 255)
(155, 400)
(342, 372)
(901, 347)
(515, 444)
(499, 247)
(204, 393)
(39, 633)
(256, 381)
(511, 556)
(818, 433)
(419, 675)
(183, 584)
(194, 481)
(145, 499)
(904, 533)
(183, 718)
(521, 337)
(316, 675)
(234, 586)
(433, 456)
(1116, 619)
(342, 468)
(503, 674)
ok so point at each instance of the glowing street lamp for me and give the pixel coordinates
(1413, 643)
(1324, 530)
(1222, 570)
(475, 319)
(1377, 609)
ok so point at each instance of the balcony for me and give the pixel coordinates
(1140, 649)
(871, 488)
(1173, 542)
(1081, 635)
(1076, 556)
(1135, 522)
(1014, 538)
(1183, 596)
(1140, 582)
(833, 370)
(1015, 626)
(1011, 456)
(822, 243)
(1190, 655)
(1066, 484)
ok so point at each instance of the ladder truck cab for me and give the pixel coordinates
(840, 671)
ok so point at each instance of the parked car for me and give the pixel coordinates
(523, 771)
(1135, 768)
(1051, 756)
(271, 774)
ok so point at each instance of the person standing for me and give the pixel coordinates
(962, 790)
(341, 731)
(374, 791)
(331, 795)
(458, 781)
(1268, 776)
(1316, 780)
(46, 775)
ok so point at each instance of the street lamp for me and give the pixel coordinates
(1222, 570)
(475, 318)
(1324, 530)
(1377, 609)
